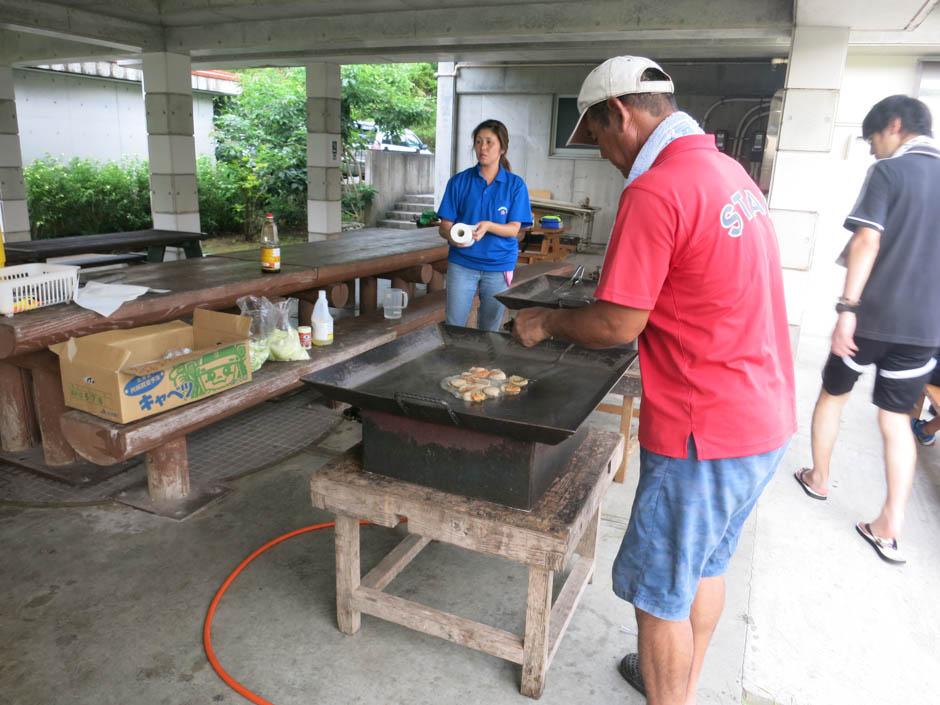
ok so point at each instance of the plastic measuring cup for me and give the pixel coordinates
(395, 300)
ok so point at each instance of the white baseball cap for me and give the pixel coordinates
(615, 77)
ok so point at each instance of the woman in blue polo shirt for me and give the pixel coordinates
(495, 202)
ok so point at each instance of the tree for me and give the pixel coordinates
(395, 96)
(263, 132)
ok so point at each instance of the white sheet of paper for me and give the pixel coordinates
(105, 299)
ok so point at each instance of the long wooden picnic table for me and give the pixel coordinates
(212, 282)
(30, 387)
(360, 253)
(218, 281)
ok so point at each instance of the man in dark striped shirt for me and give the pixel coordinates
(892, 261)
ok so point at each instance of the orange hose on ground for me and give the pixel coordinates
(207, 627)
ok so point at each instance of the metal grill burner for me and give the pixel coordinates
(506, 450)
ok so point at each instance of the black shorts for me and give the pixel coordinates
(903, 370)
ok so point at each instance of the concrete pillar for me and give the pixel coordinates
(803, 163)
(324, 150)
(168, 98)
(14, 216)
(445, 141)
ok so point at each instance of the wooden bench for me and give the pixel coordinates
(544, 244)
(931, 392)
(156, 242)
(163, 437)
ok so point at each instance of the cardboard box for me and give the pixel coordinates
(124, 375)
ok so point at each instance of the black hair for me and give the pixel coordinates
(914, 116)
(502, 134)
(655, 104)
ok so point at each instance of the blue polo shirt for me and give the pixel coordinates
(469, 199)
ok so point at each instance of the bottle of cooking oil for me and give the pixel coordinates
(270, 246)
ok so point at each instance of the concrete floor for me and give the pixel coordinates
(105, 604)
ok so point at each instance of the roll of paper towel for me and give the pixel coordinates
(461, 233)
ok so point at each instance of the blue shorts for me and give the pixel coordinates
(685, 524)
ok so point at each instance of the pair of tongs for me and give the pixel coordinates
(575, 280)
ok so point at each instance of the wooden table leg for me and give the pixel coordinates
(535, 646)
(18, 427)
(47, 396)
(626, 421)
(192, 248)
(368, 294)
(436, 283)
(351, 286)
(348, 573)
(587, 546)
(304, 312)
(168, 471)
(406, 286)
(155, 253)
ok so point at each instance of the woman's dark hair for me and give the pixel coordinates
(914, 115)
(502, 134)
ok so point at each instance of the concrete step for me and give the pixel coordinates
(402, 215)
(411, 206)
(424, 198)
(400, 224)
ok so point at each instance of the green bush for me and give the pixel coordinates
(221, 209)
(85, 196)
(356, 198)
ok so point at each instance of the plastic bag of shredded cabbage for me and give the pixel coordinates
(260, 350)
(262, 314)
(285, 341)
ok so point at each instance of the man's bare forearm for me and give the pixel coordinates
(862, 253)
(600, 325)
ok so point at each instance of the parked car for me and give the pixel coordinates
(376, 138)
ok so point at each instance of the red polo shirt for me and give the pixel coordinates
(693, 244)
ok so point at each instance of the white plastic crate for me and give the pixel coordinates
(24, 287)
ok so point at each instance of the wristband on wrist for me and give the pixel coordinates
(846, 308)
(849, 302)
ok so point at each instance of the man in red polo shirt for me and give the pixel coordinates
(692, 270)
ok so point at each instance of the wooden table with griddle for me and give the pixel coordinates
(563, 523)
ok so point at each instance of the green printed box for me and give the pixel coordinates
(124, 375)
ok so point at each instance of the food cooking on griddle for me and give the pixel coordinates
(479, 384)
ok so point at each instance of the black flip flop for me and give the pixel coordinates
(630, 670)
(806, 488)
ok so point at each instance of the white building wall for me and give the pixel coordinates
(71, 115)
(867, 79)
(522, 97)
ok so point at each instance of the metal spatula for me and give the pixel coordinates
(575, 280)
